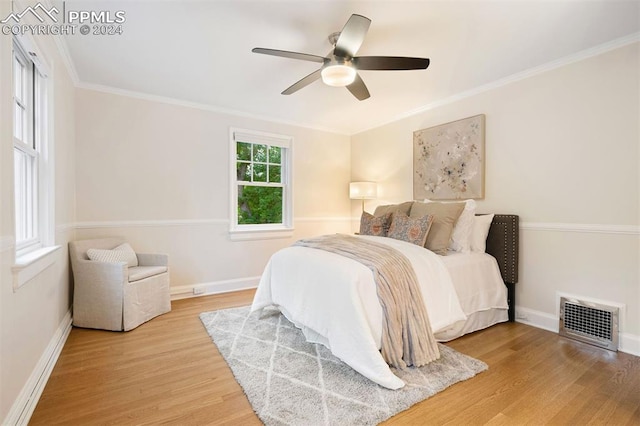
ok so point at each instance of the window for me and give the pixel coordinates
(29, 150)
(261, 188)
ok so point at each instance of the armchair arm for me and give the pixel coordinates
(151, 259)
(98, 293)
(110, 273)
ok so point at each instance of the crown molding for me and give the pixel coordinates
(576, 57)
(203, 107)
(63, 50)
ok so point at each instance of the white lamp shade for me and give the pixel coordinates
(338, 75)
(363, 190)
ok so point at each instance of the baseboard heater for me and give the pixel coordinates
(589, 322)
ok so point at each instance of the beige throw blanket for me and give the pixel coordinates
(407, 338)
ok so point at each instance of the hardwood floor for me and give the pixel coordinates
(168, 371)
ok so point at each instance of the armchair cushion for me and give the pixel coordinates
(138, 273)
(121, 253)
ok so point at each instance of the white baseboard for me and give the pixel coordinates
(537, 319)
(215, 287)
(628, 343)
(26, 402)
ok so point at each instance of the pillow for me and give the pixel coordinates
(122, 253)
(392, 208)
(461, 235)
(411, 230)
(481, 225)
(445, 216)
(377, 226)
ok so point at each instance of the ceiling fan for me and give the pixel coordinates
(340, 67)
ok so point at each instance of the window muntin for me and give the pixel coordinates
(261, 191)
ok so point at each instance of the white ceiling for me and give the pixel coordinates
(200, 51)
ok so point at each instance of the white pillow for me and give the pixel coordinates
(461, 236)
(122, 253)
(481, 225)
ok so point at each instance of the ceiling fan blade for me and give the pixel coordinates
(287, 54)
(303, 83)
(359, 89)
(352, 36)
(386, 63)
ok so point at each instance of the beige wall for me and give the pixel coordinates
(561, 149)
(158, 174)
(30, 316)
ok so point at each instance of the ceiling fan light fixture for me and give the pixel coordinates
(338, 75)
(341, 65)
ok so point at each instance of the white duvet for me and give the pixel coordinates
(333, 300)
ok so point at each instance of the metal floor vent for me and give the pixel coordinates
(588, 322)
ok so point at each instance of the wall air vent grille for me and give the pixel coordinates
(588, 322)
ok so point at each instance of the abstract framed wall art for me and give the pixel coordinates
(448, 160)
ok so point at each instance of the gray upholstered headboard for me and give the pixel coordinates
(502, 243)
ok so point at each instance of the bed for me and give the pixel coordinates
(333, 299)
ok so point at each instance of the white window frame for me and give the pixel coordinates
(261, 231)
(35, 253)
(26, 144)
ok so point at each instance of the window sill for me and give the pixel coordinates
(261, 234)
(30, 265)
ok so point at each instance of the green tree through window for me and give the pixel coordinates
(259, 183)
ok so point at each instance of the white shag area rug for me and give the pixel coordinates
(292, 382)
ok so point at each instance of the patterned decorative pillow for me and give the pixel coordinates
(122, 253)
(411, 230)
(377, 226)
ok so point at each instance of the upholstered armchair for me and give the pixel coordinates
(112, 295)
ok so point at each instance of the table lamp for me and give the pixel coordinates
(363, 191)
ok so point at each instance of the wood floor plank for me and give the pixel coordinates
(168, 371)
